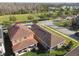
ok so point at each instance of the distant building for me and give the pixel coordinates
(48, 39)
(2, 49)
(74, 19)
(22, 38)
(77, 20)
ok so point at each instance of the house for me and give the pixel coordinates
(22, 38)
(77, 20)
(47, 39)
(2, 49)
(74, 20)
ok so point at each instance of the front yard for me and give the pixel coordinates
(51, 53)
(56, 52)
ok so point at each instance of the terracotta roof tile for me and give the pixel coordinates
(21, 36)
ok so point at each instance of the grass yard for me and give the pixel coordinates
(19, 17)
(35, 54)
(58, 52)
(53, 53)
(62, 23)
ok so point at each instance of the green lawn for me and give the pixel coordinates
(52, 53)
(56, 52)
(19, 17)
(62, 23)
(35, 54)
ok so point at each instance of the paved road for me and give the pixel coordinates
(46, 22)
(61, 29)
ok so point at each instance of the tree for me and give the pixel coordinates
(68, 47)
(43, 16)
(30, 17)
(34, 20)
(12, 18)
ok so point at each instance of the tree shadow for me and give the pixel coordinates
(41, 49)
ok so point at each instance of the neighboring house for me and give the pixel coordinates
(47, 38)
(74, 19)
(77, 20)
(22, 38)
(69, 18)
(2, 49)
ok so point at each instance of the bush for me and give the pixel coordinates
(42, 16)
(30, 17)
(34, 20)
(12, 18)
(69, 46)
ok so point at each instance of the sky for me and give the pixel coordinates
(42, 1)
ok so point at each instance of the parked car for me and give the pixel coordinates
(77, 34)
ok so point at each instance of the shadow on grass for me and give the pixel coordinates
(41, 51)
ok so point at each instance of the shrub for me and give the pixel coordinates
(12, 18)
(30, 17)
(34, 20)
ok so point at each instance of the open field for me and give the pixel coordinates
(19, 17)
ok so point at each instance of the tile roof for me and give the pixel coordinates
(21, 36)
(50, 38)
(24, 44)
